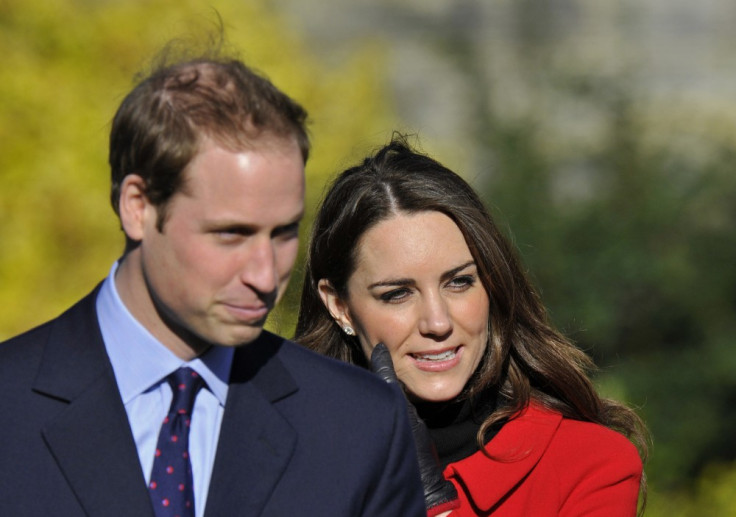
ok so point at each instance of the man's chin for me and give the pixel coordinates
(242, 338)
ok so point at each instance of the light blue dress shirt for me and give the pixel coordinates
(141, 365)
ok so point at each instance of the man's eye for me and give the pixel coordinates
(287, 232)
(228, 235)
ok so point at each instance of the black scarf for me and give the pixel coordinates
(454, 425)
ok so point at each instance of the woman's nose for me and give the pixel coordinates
(435, 319)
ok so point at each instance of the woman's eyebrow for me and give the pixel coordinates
(393, 282)
(456, 270)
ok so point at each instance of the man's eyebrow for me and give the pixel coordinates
(233, 224)
(230, 225)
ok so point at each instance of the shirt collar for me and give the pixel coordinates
(140, 361)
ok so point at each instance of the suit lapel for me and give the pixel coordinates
(256, 441)
(90, 438)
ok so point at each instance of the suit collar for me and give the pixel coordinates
(511, 455)
(74, 356)
(256, 441)
(90, 437)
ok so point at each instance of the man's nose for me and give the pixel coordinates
(259, 270)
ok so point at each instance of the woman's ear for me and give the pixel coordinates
(335, 305)
(133, 205)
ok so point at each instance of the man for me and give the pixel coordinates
(163, 374)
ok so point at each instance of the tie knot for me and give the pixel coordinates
(185, 383)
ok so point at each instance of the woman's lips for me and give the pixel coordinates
(437, 361)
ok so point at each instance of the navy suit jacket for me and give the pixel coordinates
(301, 434)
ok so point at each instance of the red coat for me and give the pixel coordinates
(555, 467)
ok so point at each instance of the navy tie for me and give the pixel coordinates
(171, 486)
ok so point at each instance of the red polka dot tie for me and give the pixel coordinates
(171, 486)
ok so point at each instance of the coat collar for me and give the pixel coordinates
(510, 456)
(91, 441)
(256, 440)
(74, 356)
(89, 437)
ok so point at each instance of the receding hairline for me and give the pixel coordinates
(263, 140)
(207, 73)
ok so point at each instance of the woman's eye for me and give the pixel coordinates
(462, 282)
(394, 296)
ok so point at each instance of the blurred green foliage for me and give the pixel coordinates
(624, 212)
(642, 276)
(713, 493)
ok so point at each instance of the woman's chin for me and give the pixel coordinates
(433, 395)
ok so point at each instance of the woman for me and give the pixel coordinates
(403, 252)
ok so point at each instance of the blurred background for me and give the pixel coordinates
(601, 134)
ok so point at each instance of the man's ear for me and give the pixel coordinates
(335, 305)
(133, 206)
